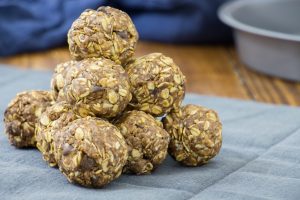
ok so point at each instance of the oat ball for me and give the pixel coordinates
(96, 86)
(157, 83)
(50, 123)
(90, 152)
(58, 77)
(146, 139)
(22, 115)
(196, 134)
(105, 32)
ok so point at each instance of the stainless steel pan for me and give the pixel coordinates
(267, 34)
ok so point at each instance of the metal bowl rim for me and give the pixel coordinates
(225, 14)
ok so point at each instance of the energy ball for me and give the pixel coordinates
(96, 86)
(196, 134)
(22, 115)
(58, 78)
(105, 32)
(50, 123)
(91, 152)
(146, 139)
(157, 82)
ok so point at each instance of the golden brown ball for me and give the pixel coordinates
(196, 134)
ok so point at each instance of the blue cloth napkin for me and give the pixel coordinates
(259, 159)
(41, 24)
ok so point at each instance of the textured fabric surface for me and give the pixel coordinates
(41, 24)
(260, 157)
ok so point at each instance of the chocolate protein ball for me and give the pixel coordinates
(105, 32)
(22, 115)
(90, 152)
(50, 123)
(157, 83)
(196, 134)
(96, 86)
(146, 139)
(58, 77)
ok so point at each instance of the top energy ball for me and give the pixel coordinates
(105, 32)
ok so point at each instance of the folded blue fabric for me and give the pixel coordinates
(41, 24)
(259, 159)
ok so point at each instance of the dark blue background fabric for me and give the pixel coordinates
(40, 24)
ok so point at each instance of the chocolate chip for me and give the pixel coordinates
(155, 91)
(94, 180)
(98, 88)
(13, 129)
(123, 34)
(103, 9)
(67, 149)
(87, 163)
(139, 125)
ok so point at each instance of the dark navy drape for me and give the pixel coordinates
(30, 25)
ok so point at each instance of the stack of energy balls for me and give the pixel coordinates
(99, 119)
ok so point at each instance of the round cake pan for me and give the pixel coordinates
(267, 34)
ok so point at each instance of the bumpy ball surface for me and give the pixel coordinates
(58, 77)
(157, 82)
(50, 123)
(146, 139)
(22, 115)
(105, 32)
(195, 134)
(91, 152)
(96, 86)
